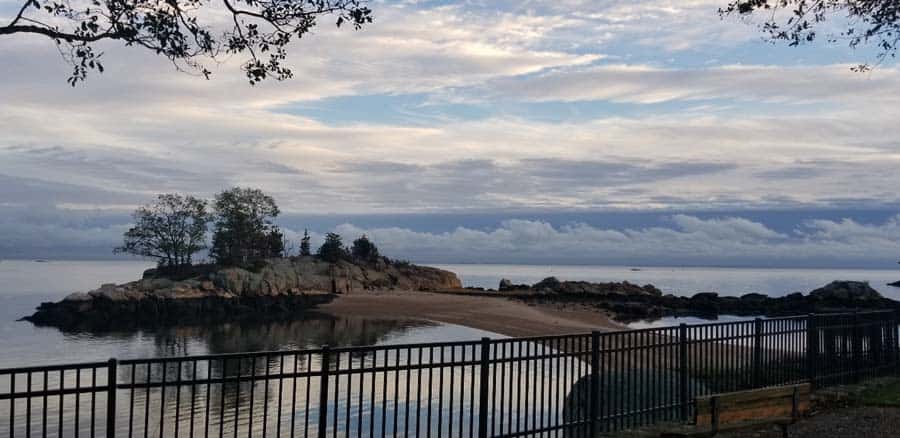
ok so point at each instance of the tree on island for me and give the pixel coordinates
(304, 244)
(243, 232)
(170, 230)
(364, 250)
(797, 21)
(190, 33)
(333, 249)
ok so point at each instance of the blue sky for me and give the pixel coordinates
(622, 126)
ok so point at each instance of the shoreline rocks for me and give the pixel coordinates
(278, 289)
(632, 302)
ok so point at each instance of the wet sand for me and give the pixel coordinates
(498, 315)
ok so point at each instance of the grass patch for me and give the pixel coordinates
(885, 394)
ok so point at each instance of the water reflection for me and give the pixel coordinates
(382, 390)
(227, 398)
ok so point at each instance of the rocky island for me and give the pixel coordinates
(629, 301)
(278, 288)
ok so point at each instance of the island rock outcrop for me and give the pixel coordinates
(277, 289)
(630, 301)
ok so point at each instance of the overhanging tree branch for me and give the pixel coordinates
(796, 22)
(175, 29)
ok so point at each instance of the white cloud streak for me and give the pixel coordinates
(688, 241)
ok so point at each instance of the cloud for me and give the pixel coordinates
(689, 241)
(647, 84)
(33, 231)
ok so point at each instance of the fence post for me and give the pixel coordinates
(855, 346)
(595, 382)
(112, 381)
(323, 392)
(757, 352)
(812, 348)
(894, 338)
(483, 387)
(683, 359)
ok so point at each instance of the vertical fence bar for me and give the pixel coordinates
(323, 393)
(683, 359)
(757, 352)
(894, 340)
(111, 383)
(595, 382)
(812, 348)
(483, 389)
(856, 346)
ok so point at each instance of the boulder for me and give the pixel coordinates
(78, 296)
(507, 285)
(895, 284)
(846, 292)
(550, 283)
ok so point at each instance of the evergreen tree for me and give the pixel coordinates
(333, 249)
(364, 250)
(274, 244)
(304, 244)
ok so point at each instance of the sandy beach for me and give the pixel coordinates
(498, 315)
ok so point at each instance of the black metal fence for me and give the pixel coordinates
(572, 385)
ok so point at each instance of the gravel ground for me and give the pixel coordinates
(855, 422)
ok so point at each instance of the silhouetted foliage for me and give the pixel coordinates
(275, 246)
(243, 231)
(187, 32)
(798, 21)
(400, 263)
(333, 249)
(170, 230)
(304, 244)
(364, 250)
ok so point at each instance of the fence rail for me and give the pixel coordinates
(571, 385)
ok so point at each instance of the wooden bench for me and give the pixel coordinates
(781, 405)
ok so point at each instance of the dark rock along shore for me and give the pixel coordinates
(630, 301)
(281, 288)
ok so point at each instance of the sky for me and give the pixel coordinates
(565, 131)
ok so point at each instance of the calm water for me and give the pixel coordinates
(683, 281)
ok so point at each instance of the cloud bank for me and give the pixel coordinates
(726, 241)
(674, 240)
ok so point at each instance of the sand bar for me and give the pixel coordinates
(498, 315)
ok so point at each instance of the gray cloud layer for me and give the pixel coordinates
(677, 240)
